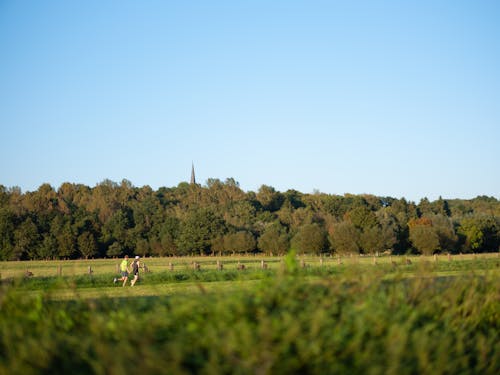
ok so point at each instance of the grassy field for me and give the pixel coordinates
(93, 278)
(359, 315)
(110, 266)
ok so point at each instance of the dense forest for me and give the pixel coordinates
(113, 219)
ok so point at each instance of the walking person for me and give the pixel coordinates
(135, 270)
(123, 271)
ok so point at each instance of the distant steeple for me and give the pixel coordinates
(193, 178)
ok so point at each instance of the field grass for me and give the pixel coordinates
(356, 316)
(74, 274)
(109, 266)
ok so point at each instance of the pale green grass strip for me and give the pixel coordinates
(141, 290)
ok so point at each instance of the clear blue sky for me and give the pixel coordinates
(392, 98)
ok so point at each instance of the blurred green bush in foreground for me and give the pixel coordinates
(354, 323)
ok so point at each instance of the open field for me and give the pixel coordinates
(396, 315)
(72, 279)
(110, 266)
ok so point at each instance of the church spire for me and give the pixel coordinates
(193, 178)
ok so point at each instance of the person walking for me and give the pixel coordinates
(123, 271)
(135, 270)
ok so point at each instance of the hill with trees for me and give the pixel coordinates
(113, 219)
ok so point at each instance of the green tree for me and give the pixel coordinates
(285, 213)
(480, 233)
(240, 214)
(66, 242)
(48, 247)
(274, 239)
(441, 207)
(87, 245)
(168, 236)
(471, 231)
(197, 231)
(7, 226)
(104, 200)
(142, 247)
(445, 230)
(269, 198)
(302, 216)
(423, 236)
(117, 228)
(394, 235)
(66, 195)
(144, 211)
(335, 205)
(310, 238)
(377, 239)
(239, 242)
(425, 207)
(43, 201)
(372, 236)
(115, 250)
(344, 238)
(362, 218)
(142, 219)
(26, 241)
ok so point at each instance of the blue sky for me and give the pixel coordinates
(391, 98)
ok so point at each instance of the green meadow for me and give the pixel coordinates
(253, 315)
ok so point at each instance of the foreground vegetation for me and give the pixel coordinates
(425, 317)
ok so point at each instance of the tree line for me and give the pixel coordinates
(113, 219)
